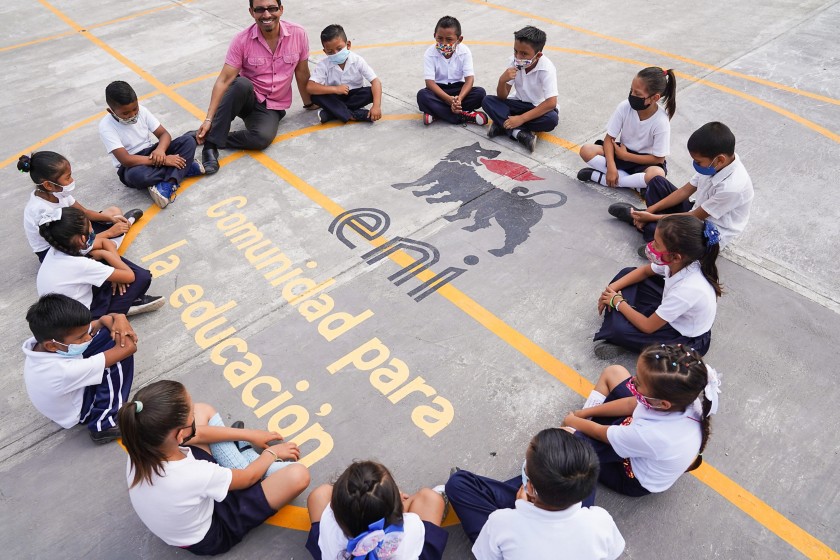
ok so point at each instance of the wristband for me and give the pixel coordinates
(617, 304)
(276, 458)
(208, 120)
(612, 299)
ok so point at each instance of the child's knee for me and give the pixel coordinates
(321, 495)
(428, 497)
(297, 477)
(613, 375)
(203, 413)
(652, 172)
(589, 151)
(112, 210)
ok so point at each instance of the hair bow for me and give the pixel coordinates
(377, 543)
(712, 389)
(50, 216)
(711, 233)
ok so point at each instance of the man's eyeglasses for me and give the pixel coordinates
(270, 9)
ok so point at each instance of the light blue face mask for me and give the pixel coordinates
(74, 350)
(708, 171)
(340, 57)
(89, 245)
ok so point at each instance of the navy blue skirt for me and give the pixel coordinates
(233, 517)
(435, 542)
(632, 167)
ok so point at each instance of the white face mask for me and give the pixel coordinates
(65, 189)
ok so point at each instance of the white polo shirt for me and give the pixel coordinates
(726, 196)
(689, 302)
(355, 72)
(74, 277)
(133, 137)
(333, 542)
(56, 384)
(535, 86)
(660, 445)
(650, 136)
(531, 533)
(178, 507)
(448, 70)
(35, 208)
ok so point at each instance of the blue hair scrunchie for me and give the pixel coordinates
(377, 543)
(711, 233)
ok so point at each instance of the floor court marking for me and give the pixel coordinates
(714, 479)
(661, 52)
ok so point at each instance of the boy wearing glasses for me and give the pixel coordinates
(77, 371)
(255, 84)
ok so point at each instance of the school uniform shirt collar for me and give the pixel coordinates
(530, 510)
(726, 172)
(681, 274)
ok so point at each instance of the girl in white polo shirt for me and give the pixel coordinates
(638, 135)
(673, 299)
(651, 428)
(180, 492)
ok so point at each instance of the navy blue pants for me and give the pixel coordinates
(430, 103)
(613, 474)
(645, 297)
(341, 107)
(658, 189)
(500, 109)
(101, 403)
(144, 176)
(104, 302)
(260, 122)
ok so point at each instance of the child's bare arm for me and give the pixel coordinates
(503, 87)
(516, 121)
(314, 88)
(438, 91)
(588, 427)
(376, 108)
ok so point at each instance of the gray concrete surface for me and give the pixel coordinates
(773, 339)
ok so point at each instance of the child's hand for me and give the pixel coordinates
(604, 300)
(375, 113)
(263, 438)
(515, 121)
(117, 288)
(342, 89)
(120, 227)
(509, 74)
(570, 419)
(286, 450)
(640, 218)
(612, 177)
(176, 161)
(620, 151)
(158, 157)
(121, 330)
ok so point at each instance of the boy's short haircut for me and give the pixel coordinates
(562, 468)
(55, 315)
(449, 22)
(531, 36)
(712, 139)
(331, 32)
(119, 93)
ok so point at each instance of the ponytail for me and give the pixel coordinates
(147, 421)
(59, 233)
(42, 166)
(663, 82)
(695, 240)
(670, 93)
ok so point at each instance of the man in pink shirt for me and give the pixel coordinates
(255, 84)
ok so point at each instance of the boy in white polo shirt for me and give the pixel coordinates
(337, 83)
(544, 518)
(78, 371)
(722, 187)
(127, 132)
(449, 94)
(532, 106)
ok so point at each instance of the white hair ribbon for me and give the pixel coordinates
(50, 216)
(712, 389)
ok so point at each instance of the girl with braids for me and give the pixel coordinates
(54, 182)
(364, 515)
(673, 299)
(638, 135)
(179, 491)
(88, 268)
(650, 428)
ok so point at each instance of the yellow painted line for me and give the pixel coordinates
(661, 52)
(36, 41)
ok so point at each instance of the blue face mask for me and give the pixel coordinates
(86, 249)
(73, 350)
(340, 57)
(708, 171)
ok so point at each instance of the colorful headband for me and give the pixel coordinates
(138, 405)
(712, 389)
(711, 233)
(377, 543)
(50, 216)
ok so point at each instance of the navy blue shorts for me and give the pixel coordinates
(233, 517)
(433, 546)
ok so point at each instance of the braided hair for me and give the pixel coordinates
(677, 374)
(60, 233)
(363, 494)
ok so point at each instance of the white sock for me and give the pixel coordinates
(634, 181)
(595, 398)
(599, 163)
(515, 133)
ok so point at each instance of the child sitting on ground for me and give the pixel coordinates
(159, 167)
(449, 94)
(365, 515)
(78, 371)
(179, 492)
(650, 428)
(532, 107)
(54, 182)
(337, 83)
(540, 513)
(724, 190)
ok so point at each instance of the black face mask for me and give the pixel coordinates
(637, 103)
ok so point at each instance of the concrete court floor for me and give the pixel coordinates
(507, 343)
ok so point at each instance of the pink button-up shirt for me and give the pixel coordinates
(271, 73)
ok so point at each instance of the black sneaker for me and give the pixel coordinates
(621, 210)
(527, 139)
(494, 130)
(361, 115)
(105, 436)
(210, 158)
(606, 351)
(144, 304)
(133, 215)
(641, 251)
